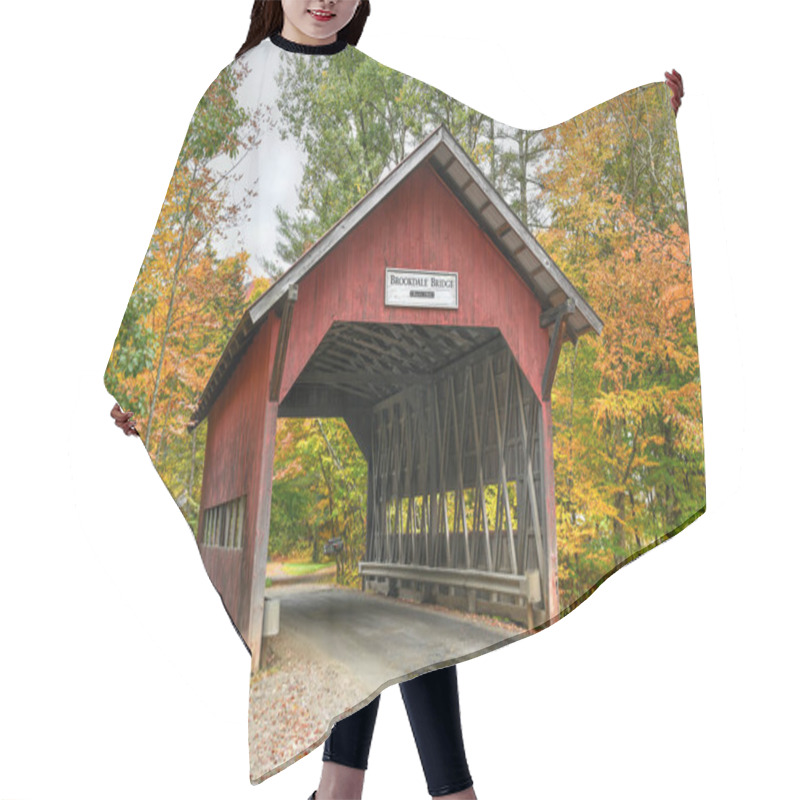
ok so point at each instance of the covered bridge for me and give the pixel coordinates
(430, 320)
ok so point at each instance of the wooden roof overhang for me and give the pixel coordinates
(561, 302)
(363, 363)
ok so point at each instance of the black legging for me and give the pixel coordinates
(431, 701)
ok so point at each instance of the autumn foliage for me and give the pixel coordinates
(627, 416)
(604, 195)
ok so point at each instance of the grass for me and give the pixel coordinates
(293, 568)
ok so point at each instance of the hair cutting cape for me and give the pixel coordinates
(418, 380)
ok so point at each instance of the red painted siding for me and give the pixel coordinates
(419, 226)
(233, 465)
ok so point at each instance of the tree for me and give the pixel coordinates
(186, 297)
(628, 428)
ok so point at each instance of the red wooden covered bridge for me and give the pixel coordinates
(430, 320)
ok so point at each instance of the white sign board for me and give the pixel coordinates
(419, 287)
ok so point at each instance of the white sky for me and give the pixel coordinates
(277, 164)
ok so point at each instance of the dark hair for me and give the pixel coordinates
(266, 18)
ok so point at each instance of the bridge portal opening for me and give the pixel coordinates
(452, 507)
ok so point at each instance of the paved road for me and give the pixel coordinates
(378, 639)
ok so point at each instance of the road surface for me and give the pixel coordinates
(378, 639)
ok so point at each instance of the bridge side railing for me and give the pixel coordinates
(527, 586)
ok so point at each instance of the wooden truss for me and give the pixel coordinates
(455, 496)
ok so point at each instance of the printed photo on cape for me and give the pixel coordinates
(418, 380)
